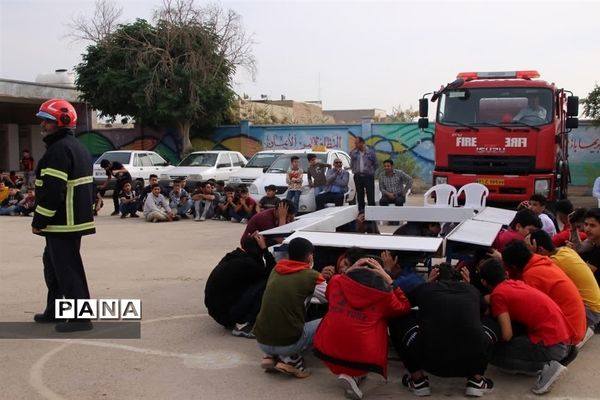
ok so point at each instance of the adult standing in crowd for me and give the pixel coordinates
(596, 190)
(363, 164)
(27, 164)
(63, 212)
(394, 185)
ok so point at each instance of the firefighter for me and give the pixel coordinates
(63, 211)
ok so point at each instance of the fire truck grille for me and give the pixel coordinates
(492, 164)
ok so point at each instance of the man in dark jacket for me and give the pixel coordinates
(234, 288)
(63, 211)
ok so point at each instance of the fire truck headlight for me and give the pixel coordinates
(440, 180)
(542, 186)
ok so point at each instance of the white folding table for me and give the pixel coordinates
(369, 241)
(418, 214)
(498, 215)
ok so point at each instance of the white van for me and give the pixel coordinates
(256, 166)
(276, 173)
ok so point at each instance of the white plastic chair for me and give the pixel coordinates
(445, 196)
(475, 195)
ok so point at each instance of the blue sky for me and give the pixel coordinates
(350, 54)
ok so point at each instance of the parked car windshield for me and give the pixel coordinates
(262, 160)
(121, 157)
(282, 163)
(199, 160)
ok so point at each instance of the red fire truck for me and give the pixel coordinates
(506, 130)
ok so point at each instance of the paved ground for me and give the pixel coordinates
(182, 354)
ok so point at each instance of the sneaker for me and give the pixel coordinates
(233, 219)
(588, 334)
(479, 387)
(123, 216)
(202, 218)
(196, 218)
(571, 355)
(351, 384)
(244, 221)
(293, 365)
(243, 330)
(268, 363)
(184, 216)
(134, 215)
(419, 387)
(551, 372)
(216, 218)
(112, 214)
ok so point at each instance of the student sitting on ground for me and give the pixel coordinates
(27, 205)
(227, 203)
(269, 200)
(156, 207)
(541, 273)
(572, 221)
(523, 223)
(546, 346)
(577, 270)
(244, 207)
(352, 337)
(269, 219)
(537, 204)
(127, 201)
(280, 329)
(4, 191)
(179, 199)
(141, 199)
(205, 201)
(447, 336)
(235, 287)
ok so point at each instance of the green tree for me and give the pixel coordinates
(176, 71)
(591, 105)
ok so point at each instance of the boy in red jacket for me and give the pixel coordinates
(352, 337)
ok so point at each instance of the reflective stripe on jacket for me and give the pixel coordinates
(64, 187)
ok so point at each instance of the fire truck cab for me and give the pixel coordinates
(506, 130)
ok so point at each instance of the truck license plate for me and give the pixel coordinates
(491, 181)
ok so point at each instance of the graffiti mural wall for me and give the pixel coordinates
(410, 148)
(584, 154)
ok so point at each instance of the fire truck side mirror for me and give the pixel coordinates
(423, 123)
(423, 107)
(572, 106)
(572, 122)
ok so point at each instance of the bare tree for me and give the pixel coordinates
(96, 28)
(234, 44)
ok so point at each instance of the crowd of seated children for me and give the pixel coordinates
(8, 206)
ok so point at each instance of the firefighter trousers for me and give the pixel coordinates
(63, 270)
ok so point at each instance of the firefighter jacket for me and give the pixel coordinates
(64, 187)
